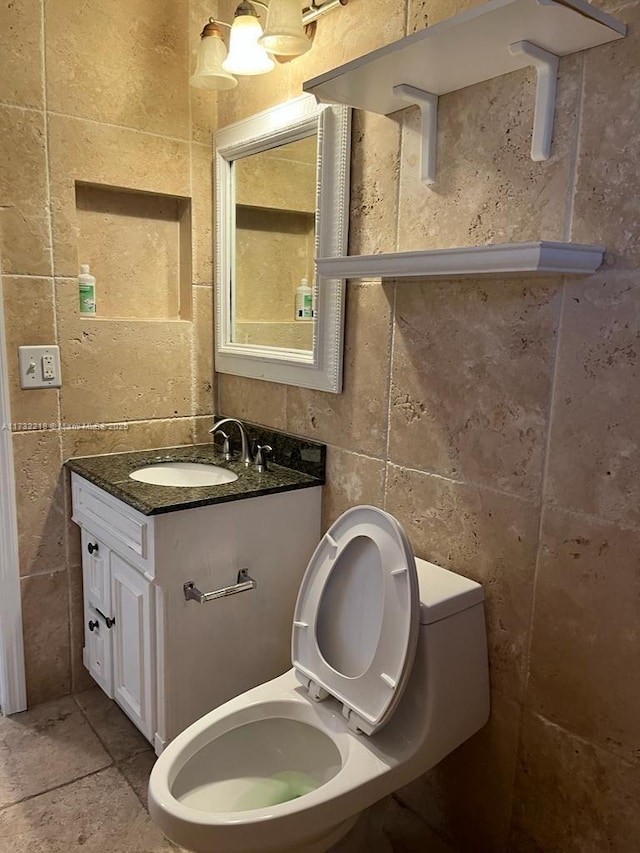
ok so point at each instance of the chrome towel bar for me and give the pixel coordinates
(245, 583)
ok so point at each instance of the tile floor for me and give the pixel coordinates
(73, 777)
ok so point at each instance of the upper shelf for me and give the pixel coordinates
(465, 50)
(493, 39)
(509, 259)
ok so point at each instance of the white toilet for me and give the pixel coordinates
(389, 675)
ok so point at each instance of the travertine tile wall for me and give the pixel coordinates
(499, 420)
(98, 94)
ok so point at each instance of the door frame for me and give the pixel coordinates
(13, 691)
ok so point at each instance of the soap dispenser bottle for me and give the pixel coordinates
(303, 301)
(87, 290)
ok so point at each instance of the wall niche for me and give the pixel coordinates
(139, 248)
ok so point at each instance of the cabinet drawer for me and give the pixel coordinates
(96, 575)
(121, 527)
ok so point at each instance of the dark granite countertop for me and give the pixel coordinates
(111, 473)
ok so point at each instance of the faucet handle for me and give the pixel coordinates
(226, 444)
(262, 451)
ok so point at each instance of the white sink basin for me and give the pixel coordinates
(183, 474)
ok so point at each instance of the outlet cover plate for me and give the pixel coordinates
(39, 367)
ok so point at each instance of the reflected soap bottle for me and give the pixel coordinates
(303, 301)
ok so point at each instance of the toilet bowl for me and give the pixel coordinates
(389, 675)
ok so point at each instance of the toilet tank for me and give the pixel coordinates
(447, 697)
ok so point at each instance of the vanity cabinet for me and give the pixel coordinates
(165, 660)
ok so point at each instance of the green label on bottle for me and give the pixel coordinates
(87, 294)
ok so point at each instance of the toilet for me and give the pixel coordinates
(389, 675)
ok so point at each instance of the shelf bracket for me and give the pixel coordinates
(546, 65)
(428, 105)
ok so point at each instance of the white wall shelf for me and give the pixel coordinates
(488, 41)
(509, 259)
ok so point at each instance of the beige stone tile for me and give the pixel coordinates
(347, 33)
(202, 237)
(572, 797)
(488, 190)
(204, 104)
(133, 243)
(24, 221)
(203, 349)
(121, 370)
(471, 379)
(29, 319)
(585, 651)
(93, 153)
(254, 94)
(594, 457)
(357, 418)
(40, 501)
(44, 748)
(485, 535)
(117, 733)
(137, 770)
(607, 182)
(467, 797)
(408, 833)
(123, 64)
(20, 48)
(252, 400)
(352, 479)
(94, 814)
(142, 435)
(375, 171)
(201, 428)
(45, 619)
(426, 13)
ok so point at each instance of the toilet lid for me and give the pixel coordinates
(357, 617)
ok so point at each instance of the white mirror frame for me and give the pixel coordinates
(320, 368)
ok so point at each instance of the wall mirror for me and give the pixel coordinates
(282, 199)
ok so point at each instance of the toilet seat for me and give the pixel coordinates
(356, 620)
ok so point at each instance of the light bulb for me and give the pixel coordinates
(246, 56)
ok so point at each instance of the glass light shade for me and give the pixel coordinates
(246, 57)
(209, 73)
(285, 35)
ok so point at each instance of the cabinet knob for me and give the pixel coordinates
(92, 547)
(93, 625)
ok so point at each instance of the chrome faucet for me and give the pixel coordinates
(246, 452)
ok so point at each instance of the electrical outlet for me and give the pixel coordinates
(39, 367)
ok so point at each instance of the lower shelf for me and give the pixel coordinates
(508, 259)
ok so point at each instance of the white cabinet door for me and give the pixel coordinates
(133, 646)
(97, 649)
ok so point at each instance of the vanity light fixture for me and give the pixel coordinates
(250, 49)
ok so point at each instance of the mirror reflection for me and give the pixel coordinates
(275, 221)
